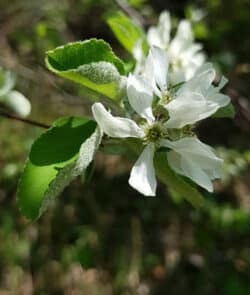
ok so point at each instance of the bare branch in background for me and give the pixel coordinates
(7, 115)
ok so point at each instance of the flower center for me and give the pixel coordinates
(154, 133)
(166, 97)
(177, 64)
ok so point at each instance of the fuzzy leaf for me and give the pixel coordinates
(58, 156)
(91, 63)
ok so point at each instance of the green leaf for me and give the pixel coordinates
(126, 31)
(175, 182)
(225, 112)
(58, 156)
(91, 63)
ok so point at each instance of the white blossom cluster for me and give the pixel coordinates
(170, 91)
(184, 55)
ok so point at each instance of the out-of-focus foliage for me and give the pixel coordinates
(56, 158)
(101, 237)
(126, 31)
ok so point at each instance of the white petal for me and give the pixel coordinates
(200, 83)
(192, 50)
(140, 96)
(193, 171)
(164, 28)
(149, 74)
(214, 95)
(194, 159)
(192, 64)
(182, 39)
(139, 56)
(154, 37)
(174, 160)
(142, 177)
(177, 76)
(115, 126)
(159, 35)
(205, 67)
(184, 31)
(222, 83)
(149, 69)
(187, 168)
(220, 99)
(196, 99)
(199, 59)
(137, 52)
(158, 58)
(188, 109)
(191, 145)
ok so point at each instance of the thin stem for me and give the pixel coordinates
(27, 121)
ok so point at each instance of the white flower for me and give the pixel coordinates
(156, 70)
(194, 159)
(157, 36)
(140, 96)
(160, 35)
(196, 99)
(185, 56)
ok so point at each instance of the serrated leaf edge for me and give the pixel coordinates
(62, 47)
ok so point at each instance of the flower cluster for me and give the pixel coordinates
(184, 55)
(183, 106)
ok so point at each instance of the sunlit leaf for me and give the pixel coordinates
(56, 158)
(91, 63)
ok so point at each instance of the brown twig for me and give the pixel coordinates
(27, 121)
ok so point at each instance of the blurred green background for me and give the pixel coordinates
(101, 237)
